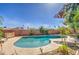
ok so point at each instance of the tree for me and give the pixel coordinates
(31, 32)
(1, 31)
(76, 20)
(71, 14)
(43, 30)
(64, 32)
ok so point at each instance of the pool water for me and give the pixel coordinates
(34, 41)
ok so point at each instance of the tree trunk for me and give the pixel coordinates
(75, 31)
(64, 41)
(1, 46)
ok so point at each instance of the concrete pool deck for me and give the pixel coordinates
(10, 49)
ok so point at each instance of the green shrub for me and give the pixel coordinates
(77, 36)
(63, 49)
(1, 33)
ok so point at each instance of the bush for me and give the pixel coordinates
(77, 36)
(63, 49)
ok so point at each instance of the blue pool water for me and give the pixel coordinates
(34, 41)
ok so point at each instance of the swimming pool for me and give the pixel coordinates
(34, 41)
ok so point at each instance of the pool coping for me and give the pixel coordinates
(28, 51)
(34, 47)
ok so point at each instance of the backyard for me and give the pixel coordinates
(41, 40)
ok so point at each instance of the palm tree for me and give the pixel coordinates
(76, 20)
(71, 14)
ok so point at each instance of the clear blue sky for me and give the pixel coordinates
(32, 15)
